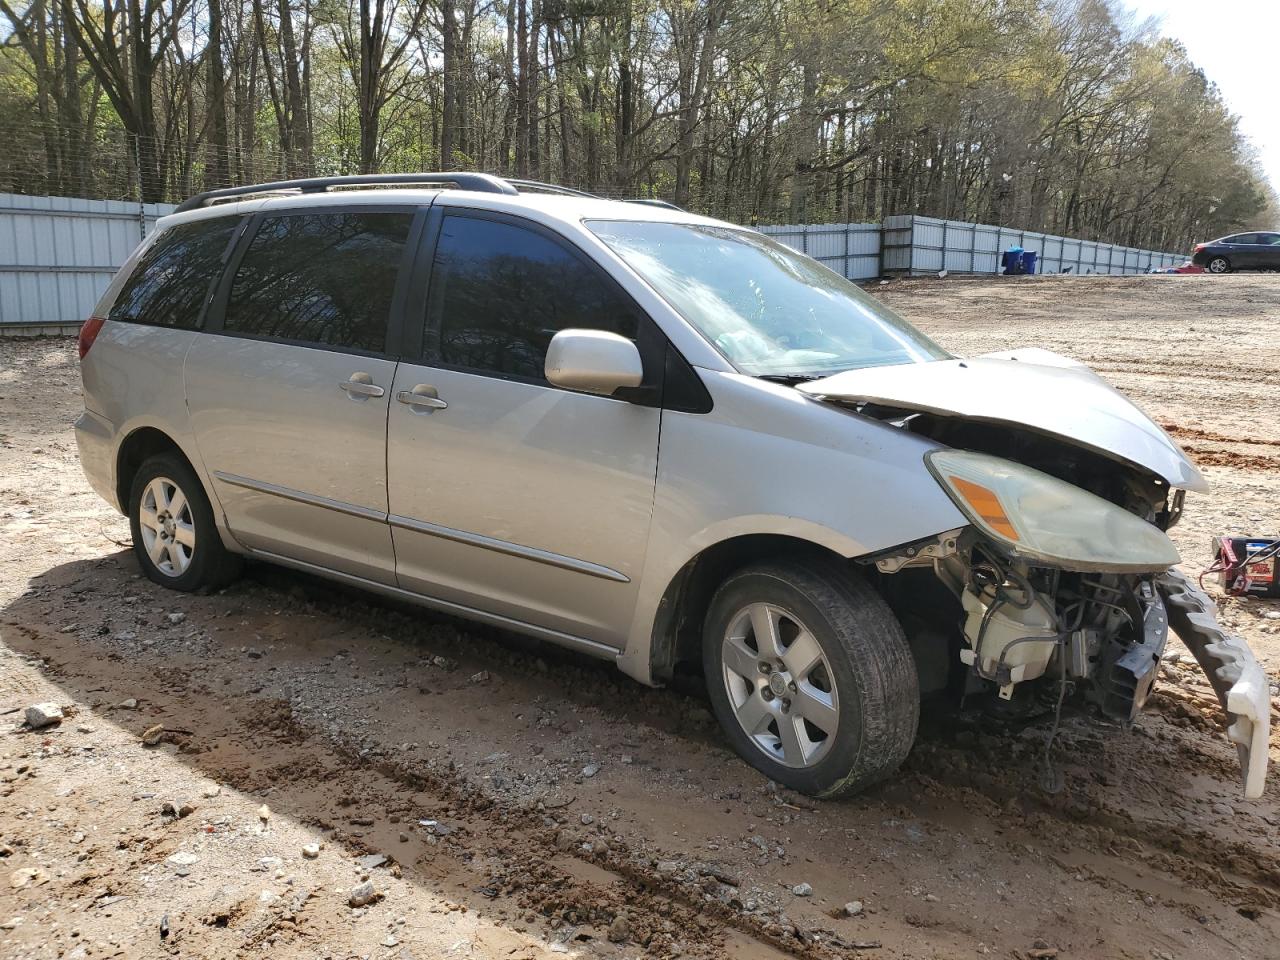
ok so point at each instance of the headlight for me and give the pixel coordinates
(1042, 518)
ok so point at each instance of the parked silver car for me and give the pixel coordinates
(652, 437)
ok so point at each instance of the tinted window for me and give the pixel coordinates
(1270, 239)
(173, 278)
(1242, 238)
(323, 278)
(499, 293)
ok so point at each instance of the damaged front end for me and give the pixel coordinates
(1033, 635)
(1061, 585)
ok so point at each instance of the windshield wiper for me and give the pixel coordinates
(790, 379)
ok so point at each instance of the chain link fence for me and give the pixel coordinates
(105, 163)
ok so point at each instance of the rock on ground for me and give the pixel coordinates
(40, 715)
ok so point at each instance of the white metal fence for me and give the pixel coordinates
(57, 255)
(851, 249)
(923, 245)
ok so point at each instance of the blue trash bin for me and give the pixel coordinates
(1011, 261)
(1028, 261)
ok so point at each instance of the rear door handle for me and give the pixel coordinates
(422, 395)
(361, 385)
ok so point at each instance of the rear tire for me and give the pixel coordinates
(174, 535)
(837, 708)
(1218, 265)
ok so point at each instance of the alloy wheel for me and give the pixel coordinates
(168, 528)
(780, 685)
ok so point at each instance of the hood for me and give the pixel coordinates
(1032, 388)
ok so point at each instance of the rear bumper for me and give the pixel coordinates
(1233, 672)
(95, 439)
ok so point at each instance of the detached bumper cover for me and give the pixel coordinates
(1233, 673)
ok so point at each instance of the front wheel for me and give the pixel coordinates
(810, 676)
(174, 535)
(1219, 265)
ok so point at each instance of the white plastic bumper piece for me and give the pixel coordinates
(1233, 672)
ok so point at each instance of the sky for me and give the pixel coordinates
(1236, 43)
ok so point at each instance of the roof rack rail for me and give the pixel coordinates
(480, 182)
(655, 202)
(537, 186)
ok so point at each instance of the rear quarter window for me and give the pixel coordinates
(173, 279)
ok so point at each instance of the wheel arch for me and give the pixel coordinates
(139, 445)
(145, 439)
(676, 635)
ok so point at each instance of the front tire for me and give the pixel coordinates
(810, 676)
(174, 535)
(1218, 265)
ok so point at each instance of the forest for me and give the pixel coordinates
(1056, 115)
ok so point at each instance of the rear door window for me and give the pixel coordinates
(174, 278)
(499, 292)
(324, 279)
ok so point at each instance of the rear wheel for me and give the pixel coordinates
(810, 676)
(174, 535)
(1218, 265)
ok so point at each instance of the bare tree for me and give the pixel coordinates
(374, 46)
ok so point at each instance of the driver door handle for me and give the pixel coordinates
(419, 397)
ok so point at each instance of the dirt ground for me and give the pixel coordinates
(509, 800)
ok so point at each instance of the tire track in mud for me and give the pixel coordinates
(1185, 369)
(1206, 448)
(527, 858)
(1195, 433)
(1237, 461)
(1234, 871)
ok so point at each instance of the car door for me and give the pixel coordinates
(1245, 251)
(1269, 251)
(289, 387)
(507, 495)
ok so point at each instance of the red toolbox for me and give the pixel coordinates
(1247, 565)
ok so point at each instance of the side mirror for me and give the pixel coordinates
(593, 361)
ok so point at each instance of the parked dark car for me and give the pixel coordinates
(1241, 251)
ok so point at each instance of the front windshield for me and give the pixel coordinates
(769, 310)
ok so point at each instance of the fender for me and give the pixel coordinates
(770, 460)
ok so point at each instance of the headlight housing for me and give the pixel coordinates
(1043, 519)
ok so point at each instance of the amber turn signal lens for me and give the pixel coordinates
(986, 505)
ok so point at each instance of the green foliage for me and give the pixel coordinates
(1044, 114)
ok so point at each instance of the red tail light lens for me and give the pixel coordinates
(89, 333)
(1199, 247)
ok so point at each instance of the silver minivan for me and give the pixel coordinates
(652, 437)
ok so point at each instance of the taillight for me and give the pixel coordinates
(89, 333)
(1199, 247)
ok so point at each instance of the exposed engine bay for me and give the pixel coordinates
(1030, 635)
